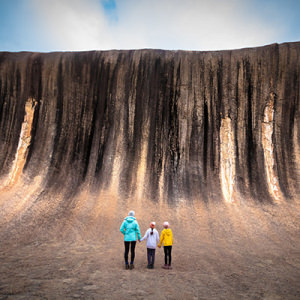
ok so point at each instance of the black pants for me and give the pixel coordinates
(132, 250)
(151, 256)
(168, 251)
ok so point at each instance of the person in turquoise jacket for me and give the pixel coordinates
(131, 230)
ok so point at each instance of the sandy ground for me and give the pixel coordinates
(219, 252)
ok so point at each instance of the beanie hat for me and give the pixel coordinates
(131, 213)
(166, 224)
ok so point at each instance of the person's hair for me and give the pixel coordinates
(151, 231)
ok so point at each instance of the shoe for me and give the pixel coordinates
(165, 267)
(131, 267)
(148, 266)
(151, 266)
(169, 267)
(126, 267)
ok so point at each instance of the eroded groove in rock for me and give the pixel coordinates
(23, 145)
(227, 160)
(268, 146)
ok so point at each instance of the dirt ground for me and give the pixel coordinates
(219, 252)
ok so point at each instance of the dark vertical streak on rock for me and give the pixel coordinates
(155, 150)
(219, 110)
(94, 75)
(173, 154)
(59, 144)
(205, 138)
(3, 122)
(239, 174)
(212, 120)
(250, 145)
(102, 116)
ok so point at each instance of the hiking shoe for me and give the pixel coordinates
(126, 267)
(152, 266)
(165, 267)
(148, 266)
(169, 267)
(131, 267)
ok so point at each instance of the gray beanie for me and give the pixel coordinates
(131, 213)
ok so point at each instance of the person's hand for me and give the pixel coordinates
(139, 240)
(158, 246)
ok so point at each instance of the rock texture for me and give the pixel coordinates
(156, 124)
(174, 135)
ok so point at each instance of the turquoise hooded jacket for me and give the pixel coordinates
(130, 228)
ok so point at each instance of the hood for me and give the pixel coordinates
(130, 219)
(168, 231)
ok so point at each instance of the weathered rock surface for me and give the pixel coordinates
(149, 122)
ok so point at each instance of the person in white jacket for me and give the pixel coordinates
(152, 237)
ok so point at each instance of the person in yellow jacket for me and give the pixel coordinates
(166, 238)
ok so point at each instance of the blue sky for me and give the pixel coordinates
(62, 25)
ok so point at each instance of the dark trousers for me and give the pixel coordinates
(132, 251)
(168, 251)
(151, 256)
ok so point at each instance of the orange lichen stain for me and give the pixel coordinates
(296, 152)
(161, 183)
(141, 172)
(23, 145)
(227, 160)
(114, 184)
(117, 164)
(268, 147)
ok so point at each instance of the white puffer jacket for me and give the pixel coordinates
(152, 240)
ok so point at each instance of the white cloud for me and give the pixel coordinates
(73, 24)
(167, 24)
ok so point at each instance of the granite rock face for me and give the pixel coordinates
(157, 124)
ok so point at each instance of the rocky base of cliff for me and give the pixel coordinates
(237, 251)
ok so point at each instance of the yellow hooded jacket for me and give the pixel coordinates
(166, 237)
